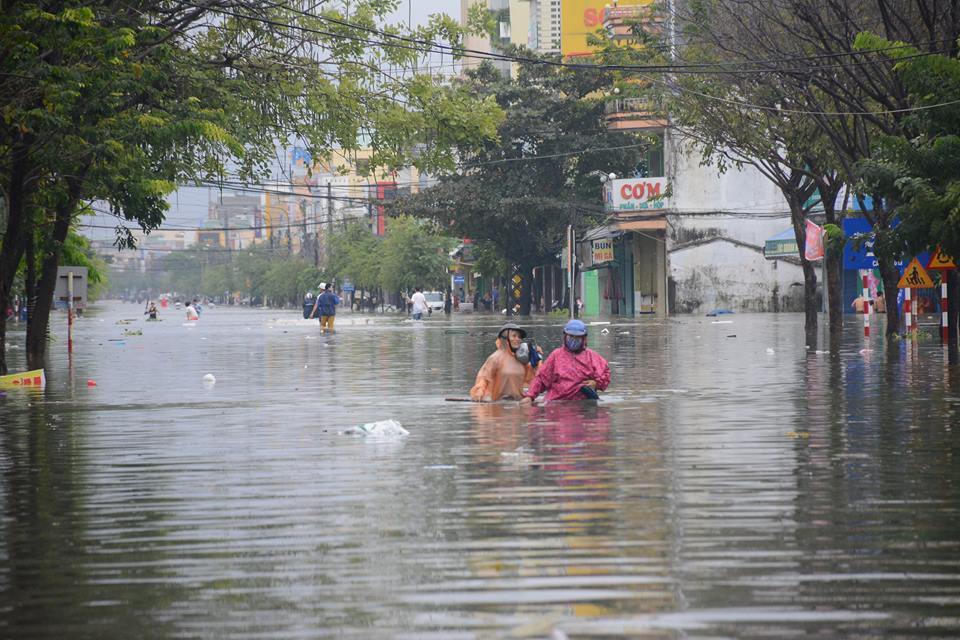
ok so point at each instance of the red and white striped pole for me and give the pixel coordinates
(907, 315)
(866, 308)
(944, 323)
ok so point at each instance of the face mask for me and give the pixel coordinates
(574, 343)
(523, 353)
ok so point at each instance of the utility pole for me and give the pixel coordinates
(316, 236)
(571, 261)
(226, 229)
(303, 227)
(329, 220)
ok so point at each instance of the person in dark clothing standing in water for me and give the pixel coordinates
(326, 306)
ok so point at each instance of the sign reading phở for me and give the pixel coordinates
(914, 277)
(635, 194)
(940, 260)
(602, 251)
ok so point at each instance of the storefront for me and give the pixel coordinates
(624, 267)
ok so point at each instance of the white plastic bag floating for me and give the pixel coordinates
(381, 429)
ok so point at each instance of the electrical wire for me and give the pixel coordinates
(470, 53)
(670, 68)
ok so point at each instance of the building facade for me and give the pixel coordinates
(682, 236)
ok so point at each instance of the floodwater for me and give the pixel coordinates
(731, 484)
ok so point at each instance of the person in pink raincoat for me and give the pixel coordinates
(572, 372)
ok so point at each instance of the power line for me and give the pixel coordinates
(670, 68)
(676, 69)
(427, 46)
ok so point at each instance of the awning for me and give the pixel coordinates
(598, 233)
(640, 225)
(782, 245)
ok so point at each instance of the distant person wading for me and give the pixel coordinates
(326, 306)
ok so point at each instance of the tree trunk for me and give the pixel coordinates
(39, 321)
(506, 292)
(810, 306)
(890, 276)
(537, 288)
(834, 258)
(548, 288)
(30, 287)
(526, 289)
(829, 188)
(13, 244)
(809, 274)
(953, 314)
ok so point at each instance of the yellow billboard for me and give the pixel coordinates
(578, 18)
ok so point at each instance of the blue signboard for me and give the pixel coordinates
(863, 258)
(348, 286)
(458, 279)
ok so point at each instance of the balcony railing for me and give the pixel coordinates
(632, 114)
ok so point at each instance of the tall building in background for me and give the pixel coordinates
(534, 24)
(547, 20)
(470, 41)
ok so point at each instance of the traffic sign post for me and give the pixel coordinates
(943, 262)
(914, 277)
(944, 318)
(866, 308)
(940, 260)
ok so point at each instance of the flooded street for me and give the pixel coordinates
(730, 484)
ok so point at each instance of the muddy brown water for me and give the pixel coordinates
(725, 487)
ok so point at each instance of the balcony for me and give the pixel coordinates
(632, 114)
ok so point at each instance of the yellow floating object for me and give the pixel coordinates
(33, 378)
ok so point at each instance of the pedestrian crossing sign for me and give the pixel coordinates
(940, 260)
(915, 277)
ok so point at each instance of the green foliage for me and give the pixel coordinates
(77, 252)
(488, 260)
(117, 103)
(519, 193)
(411, 254)
(834, 238)
(917, 173)
(258, 274)
(355, 256)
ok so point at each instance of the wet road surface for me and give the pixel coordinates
(731, 484)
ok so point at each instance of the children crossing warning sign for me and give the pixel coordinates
(914, 277)
(940, 260)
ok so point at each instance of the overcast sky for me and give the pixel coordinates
(420, 10)
(188, 206)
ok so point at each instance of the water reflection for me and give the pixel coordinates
(732, 483)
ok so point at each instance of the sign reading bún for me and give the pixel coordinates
(602, 251)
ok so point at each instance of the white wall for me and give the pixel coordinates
(698, 189)
(718, 224)
(722, 275)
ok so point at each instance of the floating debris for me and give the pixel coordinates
(381, 429)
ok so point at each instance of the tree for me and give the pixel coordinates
(355, 256)
(520, 193)
(119, 103)
(413, 255)
(737, 118)
(917, 173)
(805, 48)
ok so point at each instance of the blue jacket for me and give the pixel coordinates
(327, 303)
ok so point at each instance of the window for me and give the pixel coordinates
(653, 162)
